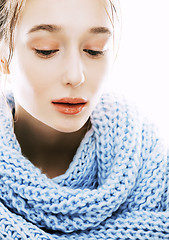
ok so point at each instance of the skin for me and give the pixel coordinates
(75, 70)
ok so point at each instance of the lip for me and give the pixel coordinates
(69, 106)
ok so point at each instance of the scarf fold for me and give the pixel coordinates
(110, 178)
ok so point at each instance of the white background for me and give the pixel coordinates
(141, 71)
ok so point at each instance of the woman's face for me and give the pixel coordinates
(63, 54)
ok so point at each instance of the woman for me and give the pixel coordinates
(75, 163)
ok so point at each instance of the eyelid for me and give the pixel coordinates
(45, 50)
(49, 53)
(96, 44)
(101, 49)
(94, 53)
(40, 42)
(93, 50)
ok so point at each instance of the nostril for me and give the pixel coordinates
(73, 80)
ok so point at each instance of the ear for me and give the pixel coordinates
(4, 68)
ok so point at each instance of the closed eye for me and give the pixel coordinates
(50, 53)
(93, 53)
(45, 53)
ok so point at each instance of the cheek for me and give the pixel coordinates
(99, 75)
(27, 75)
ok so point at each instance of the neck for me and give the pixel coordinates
(48, 149)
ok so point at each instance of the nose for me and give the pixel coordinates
(73, 75)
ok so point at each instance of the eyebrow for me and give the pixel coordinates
(45, 27)
(98, 30)
(56, 28)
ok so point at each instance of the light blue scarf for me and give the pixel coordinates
(116, 187)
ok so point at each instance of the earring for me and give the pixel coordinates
(4, 68)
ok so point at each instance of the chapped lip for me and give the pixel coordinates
(69, 100)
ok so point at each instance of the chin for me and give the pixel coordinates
(67, 128)
(74, 126)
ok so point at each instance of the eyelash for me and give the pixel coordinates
(50, 53)
(94, 53)
(45, 53)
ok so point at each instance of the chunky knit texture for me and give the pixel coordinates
(116, 187)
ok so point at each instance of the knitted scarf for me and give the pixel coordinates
(115, 188)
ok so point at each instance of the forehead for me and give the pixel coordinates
(70, 14)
